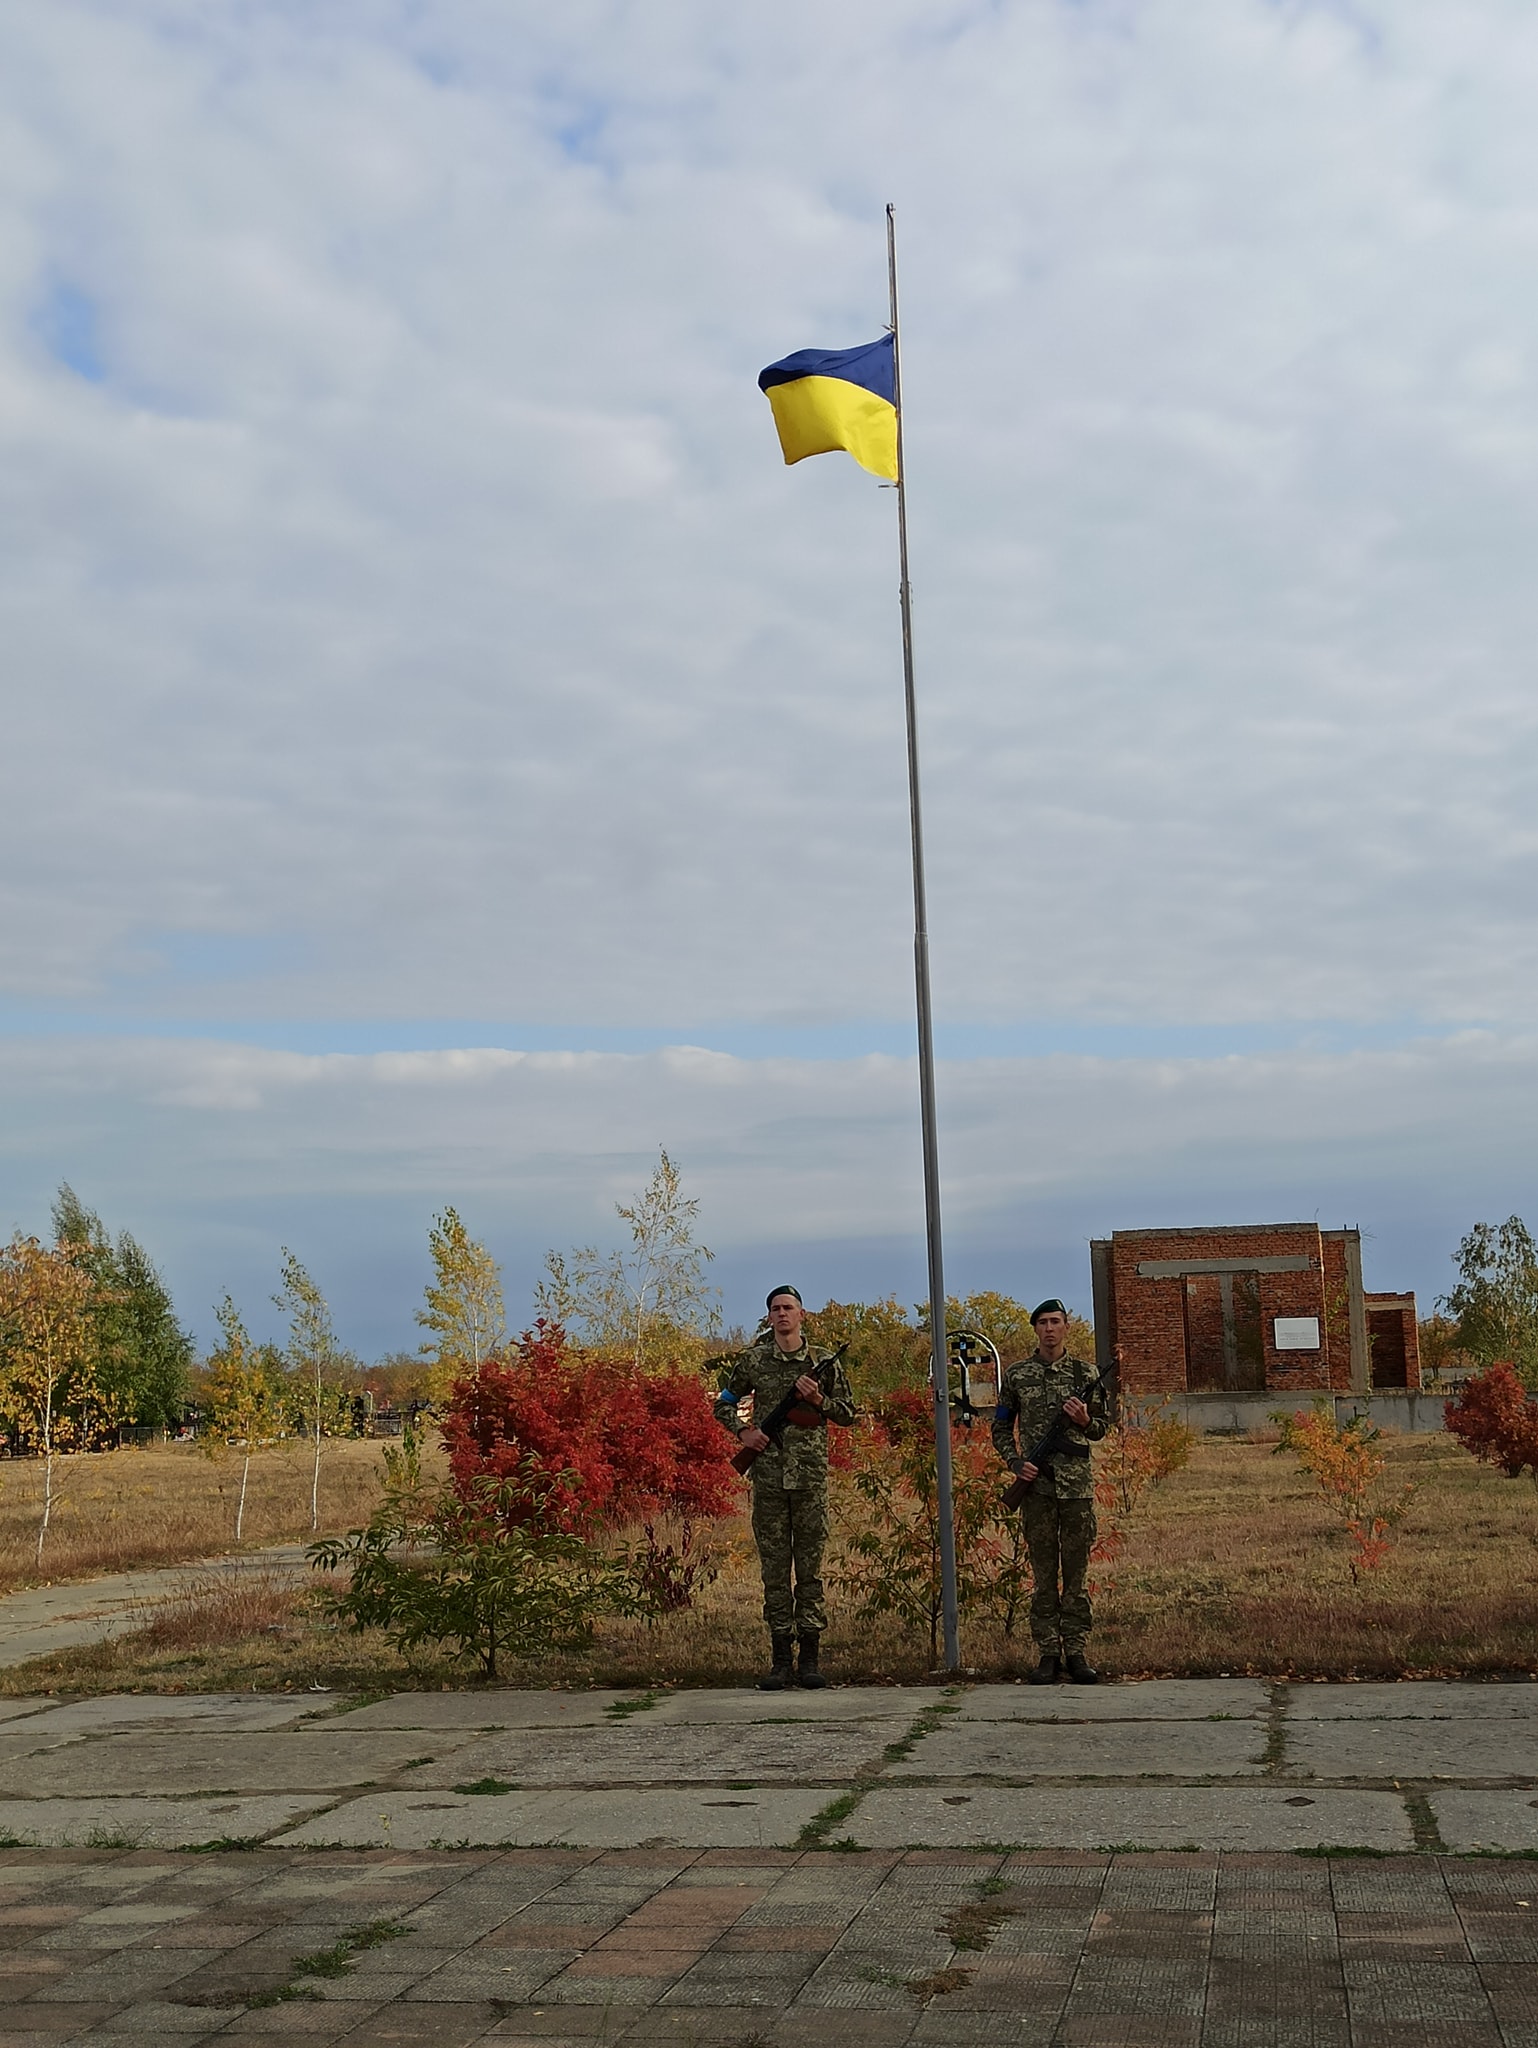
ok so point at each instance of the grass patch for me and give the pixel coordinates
(336, 1961)
(1423, 1825)
(973, 1925)
(1329, 1849)
(817, 1830)
(127, 1509)
(938, 1983)
(1232, 1567)
(486, 1788)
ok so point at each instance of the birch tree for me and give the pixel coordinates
(652, 1299)
(315, 1362)
(244, 1406)
(464, 1307)
(47, 1353)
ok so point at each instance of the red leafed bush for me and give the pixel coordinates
(635, 1445)
(1496, 1418)
(903, 1414)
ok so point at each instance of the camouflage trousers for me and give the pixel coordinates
(1060, 1534)
(790, 1527)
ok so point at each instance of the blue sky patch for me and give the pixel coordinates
(69, 324)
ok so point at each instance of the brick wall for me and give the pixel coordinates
(1394, 1332)
(1164, 1320)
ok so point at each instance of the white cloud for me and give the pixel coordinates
(419, 586)
(216, 1153)
(406, 615)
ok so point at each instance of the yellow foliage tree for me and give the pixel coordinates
(464, 1308)
(244, 1399)
(317, 1365)
(652, 1301)
(48, 1383)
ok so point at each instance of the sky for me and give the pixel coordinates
(448, 756)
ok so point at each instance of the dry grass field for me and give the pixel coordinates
(1233, 1565)
(118, 1511)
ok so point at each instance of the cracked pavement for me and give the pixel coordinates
(1168, 1862)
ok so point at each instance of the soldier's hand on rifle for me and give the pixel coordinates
(1025, 1470)
(809, 1390)
(752, 1439)
(1077, 1414)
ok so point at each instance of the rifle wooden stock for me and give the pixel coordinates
(791, 1408)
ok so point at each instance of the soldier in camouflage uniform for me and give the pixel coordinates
(790, 1480)
(1059, 1508)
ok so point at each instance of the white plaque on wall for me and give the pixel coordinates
(1296, 1333)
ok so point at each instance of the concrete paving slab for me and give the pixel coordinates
(1486, 1820)
(998, 1749)
(147, 1823)
(194, 1760)
(1413, 1749)
(641, 1752)
(1150, 1699)
(756, 1817)
(1097, 1817)
(836, 1703)
(497, 1707)
(29, 1737)
(243, 1712)
(1413, 1699)
(13, 1710)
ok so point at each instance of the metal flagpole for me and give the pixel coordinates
(939, 1367)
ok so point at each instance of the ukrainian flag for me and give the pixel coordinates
(823, 399)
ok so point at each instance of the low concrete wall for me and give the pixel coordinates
(1235, 1414)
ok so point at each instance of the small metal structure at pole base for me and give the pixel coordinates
(939, 1373)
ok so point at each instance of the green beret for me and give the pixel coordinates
(769, 1297)
(1047, 1308)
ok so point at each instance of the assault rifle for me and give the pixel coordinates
(1053, 1444)
(793, 1408)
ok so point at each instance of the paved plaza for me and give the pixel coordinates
(1225, 1864)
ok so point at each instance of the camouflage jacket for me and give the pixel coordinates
(766, 1372)
(1030, 1395)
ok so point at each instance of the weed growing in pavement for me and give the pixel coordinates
(335, 1961)
(938, 1983)
(816, 1831)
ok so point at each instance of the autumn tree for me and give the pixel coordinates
(243, 1397)
(464, 1307)
(887, 1348)
(1496, 1298)
(142, 1352)
(652, 1301)
(889, 1345)
(316, 1365)
(48, 1385)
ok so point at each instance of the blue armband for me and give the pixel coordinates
(1003, 1412)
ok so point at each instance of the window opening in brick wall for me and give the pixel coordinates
(1385, 1336)
(1225, 1347)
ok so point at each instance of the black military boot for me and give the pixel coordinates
(807, 1673)
(1046, 1671)
(782, 1671)
(1080, 1670)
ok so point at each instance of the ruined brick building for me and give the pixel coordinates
(1267, 1309)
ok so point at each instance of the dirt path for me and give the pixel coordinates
(48, 1618)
